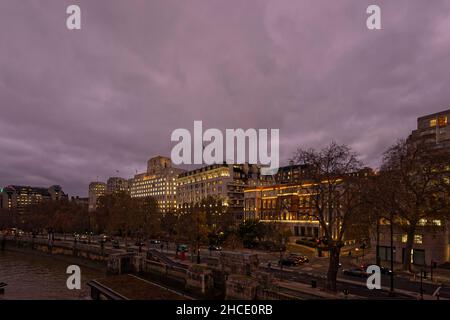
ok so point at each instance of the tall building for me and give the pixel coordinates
(433, 129)
(117, 184)
(225, 182)
(432, 238)
(96, 190)
(19, 197)
(158, 182)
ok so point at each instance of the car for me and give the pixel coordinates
(289, 262)
(302, 259)
(214, 248)
(84, 238)
(298, 258)
(104, 237)
(139, 243)
(182, 248)
(355, 272)
(115, 244)
(153, 241)
(384, 270)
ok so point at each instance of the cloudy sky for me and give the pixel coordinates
(77, 105)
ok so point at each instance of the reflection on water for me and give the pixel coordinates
(40, 277)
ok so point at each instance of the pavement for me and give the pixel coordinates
(407, 285)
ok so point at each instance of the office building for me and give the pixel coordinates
(224, 182)
(159, 182)
(96, 190)
(16, 197)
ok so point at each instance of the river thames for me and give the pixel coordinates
(31, 276)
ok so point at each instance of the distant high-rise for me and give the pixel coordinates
(117, 184)
(433, 130)
(158, 182)
(96, 190)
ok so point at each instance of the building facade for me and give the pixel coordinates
(283, 203)
(117, 184)
(224, 182)
(433, 129)
(432, 238)
(159, 182)
(431, 243)
(96, 190)
(16, 197)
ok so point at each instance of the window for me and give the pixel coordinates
(437, 222)
(418, 238)
(404, 238)
(442, 121)
(433, 123)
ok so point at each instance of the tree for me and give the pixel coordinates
(277, 233)
(334, 184)
(193, 227)
(249, 231)
(414, 188)
(169, 222)
(145, 217)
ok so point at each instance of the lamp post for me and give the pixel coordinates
(198, 236)
(421, 284)
(391, 224)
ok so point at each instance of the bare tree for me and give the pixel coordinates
(333, 183)
(414, 188)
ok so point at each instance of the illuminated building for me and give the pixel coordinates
(19, 197)
(117, 184)
(432, 237)
(158, 182)
(224, 182)
(96, 190)
(433, 129)
(284, 203)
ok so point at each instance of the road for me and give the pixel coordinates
(315, 270)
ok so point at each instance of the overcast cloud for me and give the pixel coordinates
(80, 104)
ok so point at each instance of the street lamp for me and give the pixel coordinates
(391, 224)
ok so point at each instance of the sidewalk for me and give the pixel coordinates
(315, 292)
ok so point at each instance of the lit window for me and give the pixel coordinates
(418, 238)
(433, 123)
(422, 222)
(442, 121)
(437, 222)
(404, 238)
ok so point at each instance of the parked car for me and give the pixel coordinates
(214, 248)
(289, 262)
(153, 241)
(355, 272)
(298, 258)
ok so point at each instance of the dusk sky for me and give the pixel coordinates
(77, 105)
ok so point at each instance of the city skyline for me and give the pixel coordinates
(81, 105)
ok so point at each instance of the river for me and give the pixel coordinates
(40, 277)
